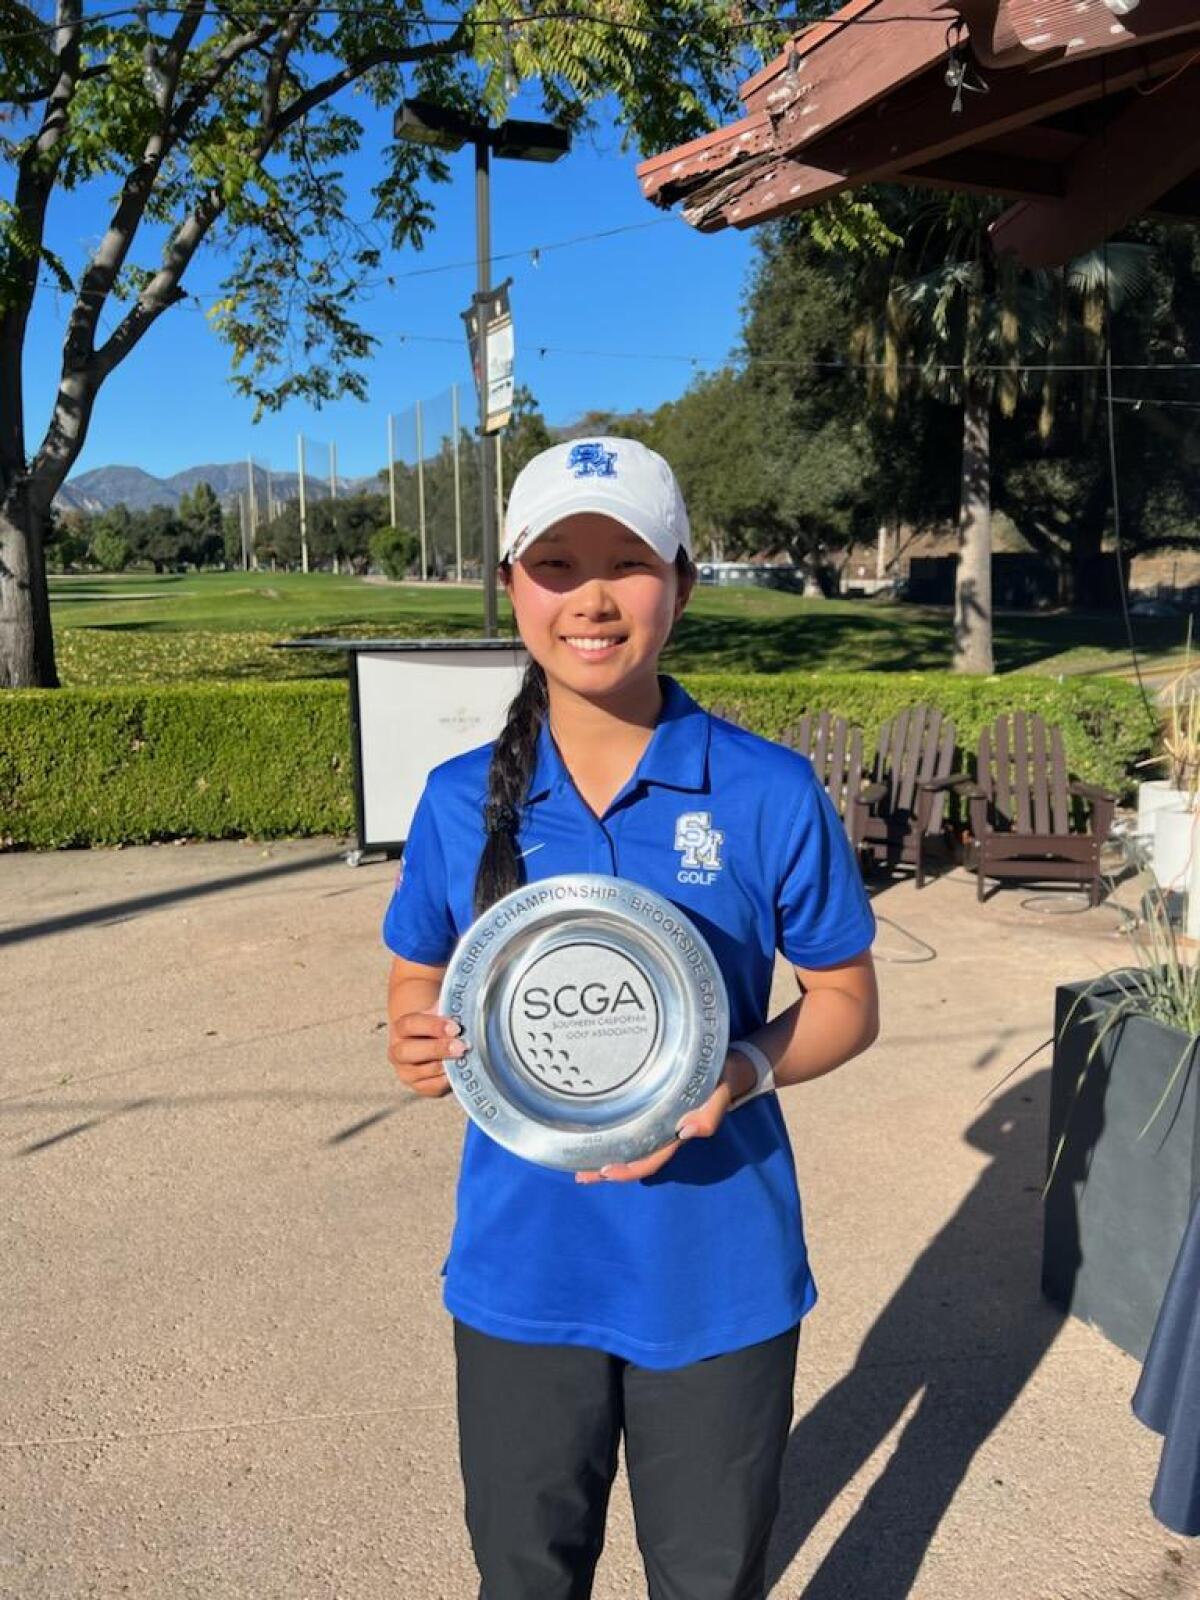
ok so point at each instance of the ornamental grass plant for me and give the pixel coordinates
(1181, 735)
(1164, 986)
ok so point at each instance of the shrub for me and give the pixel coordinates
(394, 551)
(136, 763)
(132, 764)
(110, 550)
(1104, 720)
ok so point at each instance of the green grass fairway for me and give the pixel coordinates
(140, 628)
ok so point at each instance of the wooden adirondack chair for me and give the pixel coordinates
(1028, 819)
(903, 807)
(835, 748)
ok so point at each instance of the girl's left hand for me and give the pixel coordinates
(737, 1077)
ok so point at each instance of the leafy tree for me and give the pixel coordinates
(155, 535)
(110, 549)
(774, 453)
(951, 321)
(1051, 466)
(394, 552)
(202, 539)
(526, 433)
(339, 532)
(67, 541)
(231, 536)
(229, 128)
(712, 437)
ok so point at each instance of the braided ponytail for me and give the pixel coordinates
(500, 870)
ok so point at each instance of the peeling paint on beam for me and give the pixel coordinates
(670, 177)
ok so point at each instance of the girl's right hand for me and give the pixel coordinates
(420, 1042)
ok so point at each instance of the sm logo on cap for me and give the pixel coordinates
(592, 461)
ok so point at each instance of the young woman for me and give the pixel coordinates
(658, 1301)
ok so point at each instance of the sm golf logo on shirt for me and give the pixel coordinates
(700, 846)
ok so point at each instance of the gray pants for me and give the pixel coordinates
(539, 1429)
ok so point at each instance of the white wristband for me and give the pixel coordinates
(759, 1060)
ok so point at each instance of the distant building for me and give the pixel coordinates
(757, 573)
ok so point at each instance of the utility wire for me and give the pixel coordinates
(704, 360)
(532, 250)
(841, 366)
(791, 26)
(389, 280)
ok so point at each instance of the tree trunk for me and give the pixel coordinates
(973, 583)
(26, 637)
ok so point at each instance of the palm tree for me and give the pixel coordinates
(961, 324)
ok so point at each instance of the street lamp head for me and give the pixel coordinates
(531, 141)
(426, 122)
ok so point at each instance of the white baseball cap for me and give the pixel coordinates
(617, 478)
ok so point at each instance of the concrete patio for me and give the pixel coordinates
(226, 1370)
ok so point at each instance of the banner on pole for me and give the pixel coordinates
(490, 336)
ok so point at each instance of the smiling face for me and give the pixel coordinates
(595, 605)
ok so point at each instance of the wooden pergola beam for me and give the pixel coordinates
(991, 172)
(865, 52)
(862, 98)
(917, 125)
(1006, 33)
(666, 178)
(1150, 148)
(1181, 204)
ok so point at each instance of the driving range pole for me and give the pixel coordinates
(487, 496)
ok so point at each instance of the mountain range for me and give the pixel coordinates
(105, 487)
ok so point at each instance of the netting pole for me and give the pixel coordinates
(499, 481)
(483, 236)
(253, 511)
(421, 492)
(333, 503)
(303, 506)
(392, 466)
(458, 572)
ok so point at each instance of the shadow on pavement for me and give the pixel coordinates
(960, 1339)
(110, 1110)
(114, 910)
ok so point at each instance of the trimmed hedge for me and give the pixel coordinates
(133, 764)
(1104, 721)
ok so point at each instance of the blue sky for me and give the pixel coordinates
(658, 292)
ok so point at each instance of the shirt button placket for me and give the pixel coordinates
(602, 856)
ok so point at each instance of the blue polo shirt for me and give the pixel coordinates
(707, 1256)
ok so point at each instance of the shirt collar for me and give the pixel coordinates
(675, 758)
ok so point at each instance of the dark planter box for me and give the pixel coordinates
(1117, 1210)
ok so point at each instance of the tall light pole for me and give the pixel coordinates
(426, 122)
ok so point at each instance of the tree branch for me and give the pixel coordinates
(277, 66)
(352, 71)
(85, 368)
(36, 96)
(36, 173)
(101, 273)
(171, 63)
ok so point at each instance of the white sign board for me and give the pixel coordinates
(499, 345)
(414, 709)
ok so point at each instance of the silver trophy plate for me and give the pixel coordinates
(594, 1015)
